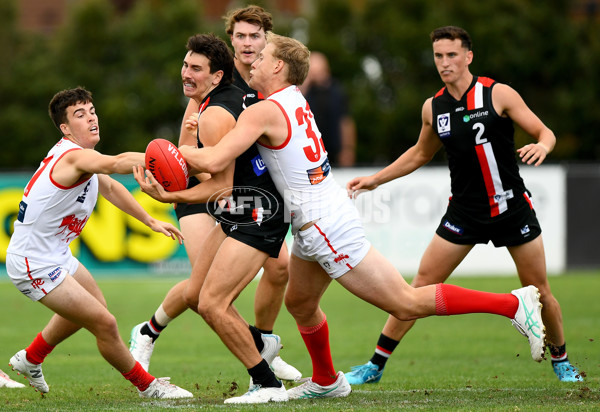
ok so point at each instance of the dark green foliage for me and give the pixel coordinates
(131, 62)
(544, 50)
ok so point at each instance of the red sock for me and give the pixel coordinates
(139, 377)
(38, 350)
(454, 300)
(316, 339)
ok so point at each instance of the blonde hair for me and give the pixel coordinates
(292, 52)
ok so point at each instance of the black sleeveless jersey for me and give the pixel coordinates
(254, 196)
(251, 96)
(480, 146)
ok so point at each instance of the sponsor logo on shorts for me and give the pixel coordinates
(341, 257)
(525, 231)
(37, 283)
(453, 228)
(54, 274)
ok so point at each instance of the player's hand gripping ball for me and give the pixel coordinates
(167, 165)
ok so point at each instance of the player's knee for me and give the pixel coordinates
(299, 307)
(276, 270)
(424, 278)
(277, 275)
(209, 311)
(106, 325)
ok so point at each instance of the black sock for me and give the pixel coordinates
(558, 353)
(256, 335)
(265, 332)
(152, 329)
(263, 375)
(383, 351)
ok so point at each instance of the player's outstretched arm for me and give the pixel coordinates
(91, 161)
(210, 190)
(119, 196)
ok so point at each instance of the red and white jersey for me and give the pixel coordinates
(299, 166)
(51, 215)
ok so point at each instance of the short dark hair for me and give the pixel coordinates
(252, 14)
(57, 109)
(220, 57)
(452, 33)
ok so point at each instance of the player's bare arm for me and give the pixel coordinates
(418, 155)
(507, 102)
(214, 123)
(187, 134)
(119, 196)
(210, 190)
(263, 120)
(80, 164)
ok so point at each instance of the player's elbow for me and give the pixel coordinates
(214, 166)
(225, 193)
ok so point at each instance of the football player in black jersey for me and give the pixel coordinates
(472, 117)
(226, 257)
(246, 27)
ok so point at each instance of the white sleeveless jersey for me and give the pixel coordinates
(50, 215)
(299, 167)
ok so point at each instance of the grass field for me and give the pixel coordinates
(470, 362)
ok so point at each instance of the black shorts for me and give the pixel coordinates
(186, 209)
(515, 228)
(266, 238)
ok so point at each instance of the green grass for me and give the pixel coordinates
(470, 362)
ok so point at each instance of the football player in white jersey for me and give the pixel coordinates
(56, 204)
(329, 240)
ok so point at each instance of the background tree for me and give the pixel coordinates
(379, 49)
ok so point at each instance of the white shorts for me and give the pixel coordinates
(36, 279)
(337, 242)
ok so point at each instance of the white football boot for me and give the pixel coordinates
(31, 371)
(161, 388)
(528, 320)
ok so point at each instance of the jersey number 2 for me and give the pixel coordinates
(305, 116)
(480, 129)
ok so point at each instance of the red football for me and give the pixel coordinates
(167, 165)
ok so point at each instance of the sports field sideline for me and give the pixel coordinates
(470, 362)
